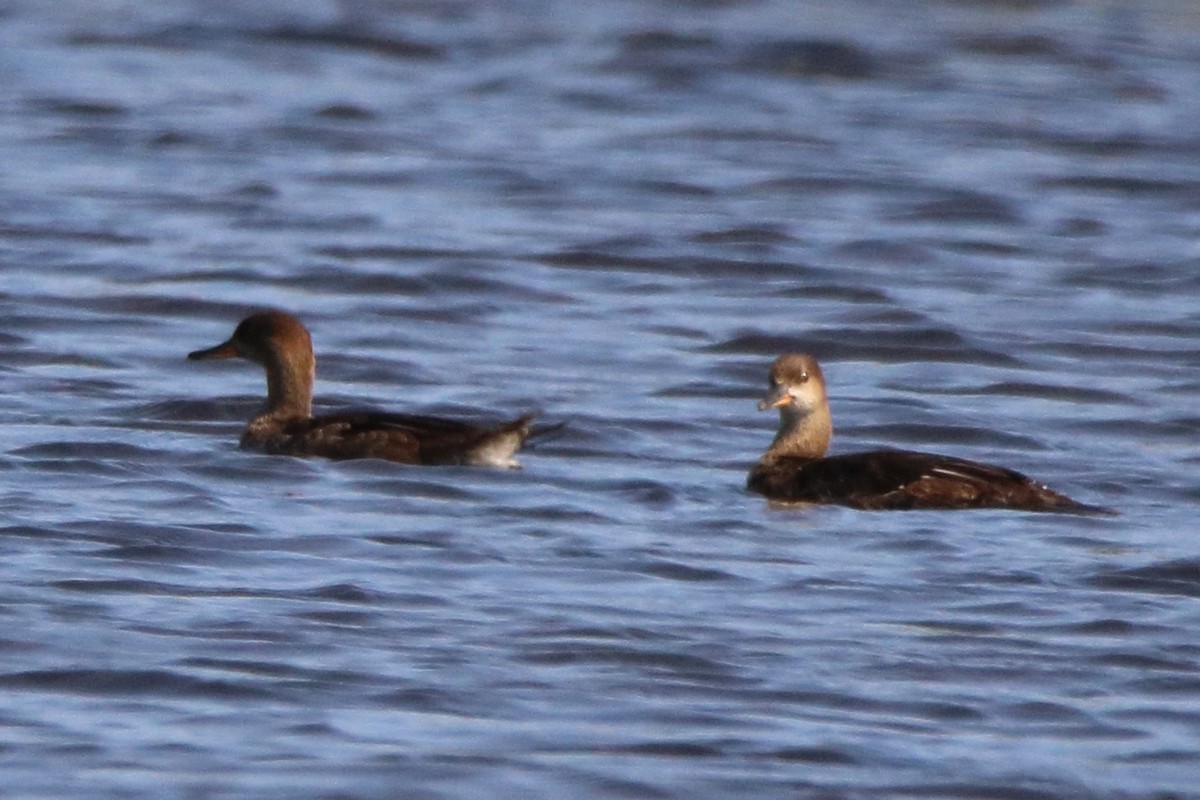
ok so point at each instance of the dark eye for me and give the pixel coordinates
(803, 377)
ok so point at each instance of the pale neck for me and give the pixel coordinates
(802, 434)
(290, 385)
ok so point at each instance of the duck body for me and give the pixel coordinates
(403, 438)
(796, 469)
(282, 346)
(902, 480)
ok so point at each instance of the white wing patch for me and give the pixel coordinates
(952, 473)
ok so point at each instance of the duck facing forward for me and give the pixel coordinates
(795, 468)
(281, 345)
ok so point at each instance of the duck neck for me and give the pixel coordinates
(290, 385)
(802, 433)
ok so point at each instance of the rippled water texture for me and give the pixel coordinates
(982, 216)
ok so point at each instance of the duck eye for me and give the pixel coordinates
(803, 377)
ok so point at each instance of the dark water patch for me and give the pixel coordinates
(885, 251)
(652, 494)
(341, 593)
(391, 285)
(1164, 756)
(66, 234)
(430, 700)
(266, 669)
(814, 185)
(1140, 662)
(85, 450)
(1122, 185)
(226, 276)
(189, 535)
(1009, 788)
(82, 467)
(1170, 685)
(667, 749)
(702, 389)
(347, 39)
(664, 41)
(682, 666)
(555, 513)
(388, 252)
(345, 112)
(603, 102)
(160, 554)
(1005, 578)
(676, 571)
(673, 57)
(170, 38)
(955, 628)
(565, 635)
(1040, 391)
(332, 138)
(962, 206)
(78, 108)
(1013, 45)
(127, 586)
(748, 235)
(848, 344)
(672, 188)
(1079, 227)
(1179, 577)
(885, 314)
(186, 410)
(1137, 278)
(234, 408)
(128, 683)
(1165, 328)
(1103, 627)
(346, 619)
(146, 310)
(231, 204)
(168, 139)
(1042, 712)
(1008, 5)
(381, 178)
(454, 280)
(274, 221)
(30, 532)
(1114, 351)
(983, 247)
(674, 267)
(744, 131)
(812, 58)
(1097, 143)
(396, 481)
(860, 705)
(817, 756)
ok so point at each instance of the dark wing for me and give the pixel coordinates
(903, 479)
(406, 438)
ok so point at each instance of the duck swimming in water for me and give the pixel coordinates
(795, 468)
(282, 346)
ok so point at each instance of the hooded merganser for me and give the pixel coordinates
(795, 468)
(282, 346)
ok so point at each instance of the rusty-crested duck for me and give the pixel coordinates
(281, 345)
(795, 468)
